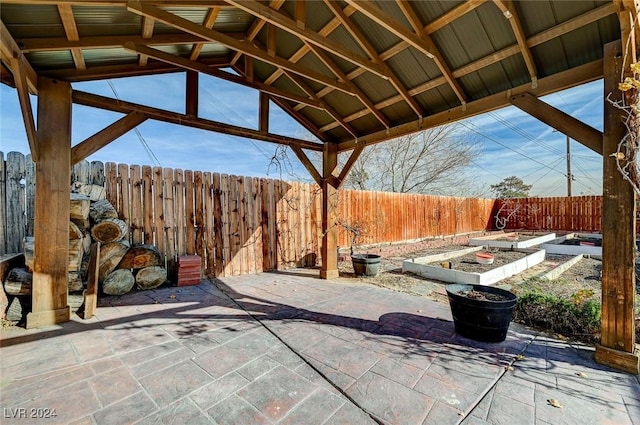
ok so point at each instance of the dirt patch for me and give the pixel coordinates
(482, 296)
(467, 263)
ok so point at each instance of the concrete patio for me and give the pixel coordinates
(289, 348)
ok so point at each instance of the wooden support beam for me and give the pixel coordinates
(53, 173)
(124, 107)
(249, 49)
(617, 342)
(263, 111)
(355, 154)
(283, 22)
(71, 30)
(508, 9)
(329, 249)
(422, 42)
(255, 28)
(561, 121)
(148, 24)
(105, 136)
(191, 98)
(209, 22)
(21, 81)
(307, 164)
(551, 84)
(9, 51)
(205, 69)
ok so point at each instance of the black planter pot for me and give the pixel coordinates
(366, 264)
(481, 320)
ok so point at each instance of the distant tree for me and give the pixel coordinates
(511, 187)
(437, 161)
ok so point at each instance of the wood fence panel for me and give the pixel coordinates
(218, 226)
(136, 225)
(225, 202)
(168, 201)
(30, 193)
(124, 197)
(97, 175)
(15, 195)
(190, 222)
(158, 213)
(180, 214)
(199, 213)
(209, 228)
(111, 182)
(80, 172)
(147, 205)
(3, 206)
(242, 229)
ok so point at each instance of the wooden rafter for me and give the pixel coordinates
(421, 42)
(328, 109)
(9, 50)
(263, 112)
(71, 30)
(509, 11)
(364, 43)
(563, 80)
(572, 127)
(209, 21)
(303, 120)
(255, 28)
(241, 46)
(535, 40)
(22, 87)
(354, 88)
(355, 154)
(95, 101)
(123, 3)
(147, 32)
(105, 42)
(187, 64)
(304, 159)
(287, 24)
(105, 136)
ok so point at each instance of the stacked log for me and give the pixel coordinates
(121, 266)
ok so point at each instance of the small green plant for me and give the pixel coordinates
(577, 317)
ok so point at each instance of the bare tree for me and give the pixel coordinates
(437, 161)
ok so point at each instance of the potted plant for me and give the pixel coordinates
(363, 264)
(481, 313)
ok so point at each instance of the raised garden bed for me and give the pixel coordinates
(575, 244)
(512, 240)
(461, 267)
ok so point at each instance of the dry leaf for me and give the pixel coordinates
(508, 368)
(520, 357)
(554, 403)
(172, 296)
(581, 374)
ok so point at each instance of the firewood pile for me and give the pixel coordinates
(120, 267)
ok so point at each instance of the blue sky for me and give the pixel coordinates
(533, 150)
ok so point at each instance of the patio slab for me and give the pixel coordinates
(283, 348)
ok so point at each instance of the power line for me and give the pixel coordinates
(144, 143)
(507, 147)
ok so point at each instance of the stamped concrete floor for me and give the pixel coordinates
(289, 348)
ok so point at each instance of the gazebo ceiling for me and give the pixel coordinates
(348, 71)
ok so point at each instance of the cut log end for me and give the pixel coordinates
(151, 277)
(111, 230)
(141, 256)
(118, 282)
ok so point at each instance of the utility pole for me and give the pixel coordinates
(569, 176)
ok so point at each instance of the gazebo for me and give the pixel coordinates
(354, 73)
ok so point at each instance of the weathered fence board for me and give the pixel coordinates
(3, 206)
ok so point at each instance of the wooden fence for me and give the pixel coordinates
(576, 213)
(244, 225)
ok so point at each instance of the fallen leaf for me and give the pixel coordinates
(508, 368)
(520, 357)
(554, 403)
(172, 296)
(582, 374)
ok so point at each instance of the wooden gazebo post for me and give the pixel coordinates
(329, 268)
(51, 232)
(617, 343)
